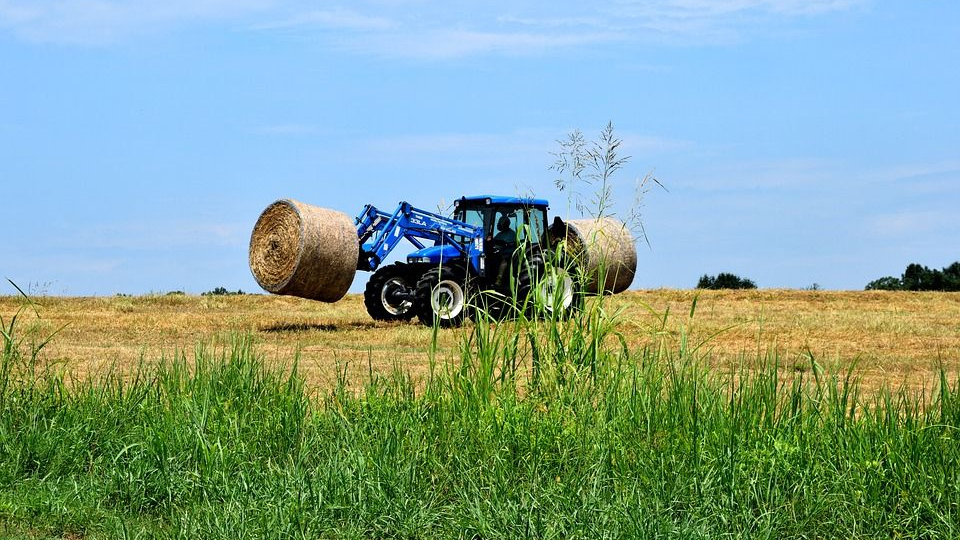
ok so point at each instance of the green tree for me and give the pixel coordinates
(917, 277)
(221, 291)
(888, 283)
(725, 280)
(951, 277)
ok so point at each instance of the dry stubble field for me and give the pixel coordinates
(894, 338)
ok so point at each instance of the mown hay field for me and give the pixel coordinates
(893, 338)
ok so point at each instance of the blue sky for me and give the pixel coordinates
(801, 141)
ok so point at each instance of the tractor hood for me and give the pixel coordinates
(434, 255)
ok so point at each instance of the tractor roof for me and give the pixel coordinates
(496, 199)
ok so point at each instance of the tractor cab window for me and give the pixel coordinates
(518, 225)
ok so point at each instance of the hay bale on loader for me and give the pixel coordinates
(303, 250)
(603, 248)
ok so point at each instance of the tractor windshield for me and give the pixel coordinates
(470, 216)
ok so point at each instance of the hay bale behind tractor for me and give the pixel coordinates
(604, 248)
(302, 250)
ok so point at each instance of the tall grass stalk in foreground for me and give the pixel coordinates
(606, 441)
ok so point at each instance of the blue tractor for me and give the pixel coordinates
(495, 251)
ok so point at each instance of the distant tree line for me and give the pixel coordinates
(222, 291)
(725, 280)
(920, 278)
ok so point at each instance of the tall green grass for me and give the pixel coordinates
(541, 427)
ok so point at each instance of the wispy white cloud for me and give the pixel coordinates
(461, 149)
(435, 30)
(418, 144)
(793, 174)
(499, 147)
(441, 44)
(821, 175)
(912, 223)
(635, 143)
(340, 19)
(533, 28)
(715, 21)
(716, 8)
(154, 235)
(935, 176)
(103, 22)
(286, 129)
(427, 29)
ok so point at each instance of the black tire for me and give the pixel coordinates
(377, 295)
(443, 297)
(551, 290)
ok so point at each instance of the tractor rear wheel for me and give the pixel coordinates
(442, 297)
(549, 289)
(389, 295)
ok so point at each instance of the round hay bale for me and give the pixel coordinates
(302, 250)
(604, 249)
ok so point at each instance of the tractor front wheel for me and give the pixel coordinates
(389, 295)
(442, 297)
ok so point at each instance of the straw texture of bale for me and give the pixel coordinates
(602, 246)
(302, 250)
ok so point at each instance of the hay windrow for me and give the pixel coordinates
(604, 248)
(303, 250)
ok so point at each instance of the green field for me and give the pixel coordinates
(526, 429)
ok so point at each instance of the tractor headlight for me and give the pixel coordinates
(419, 259)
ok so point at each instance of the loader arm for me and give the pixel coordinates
(379, 233)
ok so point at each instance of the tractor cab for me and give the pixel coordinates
(525, 218)
(510, 225)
